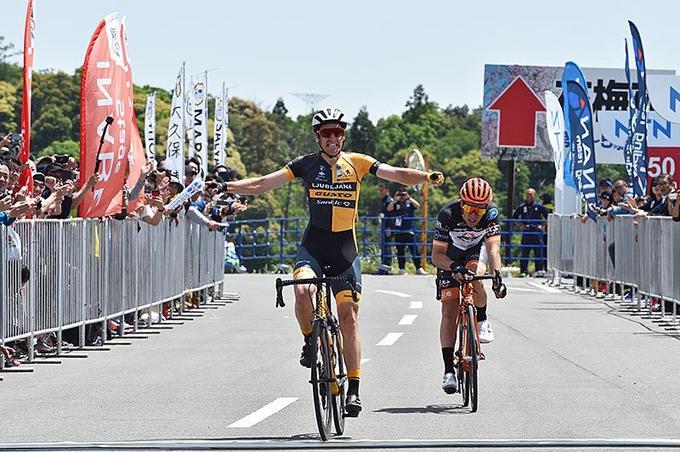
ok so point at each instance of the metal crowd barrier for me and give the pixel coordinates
(276, 240)
(88, 271)
(642, 254)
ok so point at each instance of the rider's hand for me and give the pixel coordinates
(498, 287)
(435, 178)
(461, 274)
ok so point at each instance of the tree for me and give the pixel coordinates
(362, 134)
(280, 111)
(68, 147)
(8, 102)
(418, 104)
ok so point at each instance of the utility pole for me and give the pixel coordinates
(312, 100)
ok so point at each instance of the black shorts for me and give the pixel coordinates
(330, 254)
(445, 278)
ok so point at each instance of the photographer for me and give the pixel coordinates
(403, 208)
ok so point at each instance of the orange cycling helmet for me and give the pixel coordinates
(476, 191)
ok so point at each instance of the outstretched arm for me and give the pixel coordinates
(406, 176)
(258, 185)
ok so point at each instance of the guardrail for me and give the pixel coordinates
(88, 271)
(276, 240)
(643, 254)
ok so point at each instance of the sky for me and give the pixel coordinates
(357, 52)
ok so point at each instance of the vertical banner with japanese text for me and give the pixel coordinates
(174, 154)
(106, 90)
(26, 176)
(582, 141)
(150, 126)
(199, 119)
(220, 131)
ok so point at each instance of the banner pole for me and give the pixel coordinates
(423, 229)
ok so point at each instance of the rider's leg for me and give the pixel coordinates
(304, 299)
(449, 325)
(348, 316)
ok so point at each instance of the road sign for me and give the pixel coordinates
(607, 90)
(518, 106)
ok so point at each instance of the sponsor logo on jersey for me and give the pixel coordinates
(318, 193)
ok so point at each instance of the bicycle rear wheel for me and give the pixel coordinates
(339, 387)
(473, 354)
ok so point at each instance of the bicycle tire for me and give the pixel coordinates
(321, 390)
(341, 377)
(474, 359)
(463, 379)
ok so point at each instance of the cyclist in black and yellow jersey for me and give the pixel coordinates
(332, 179)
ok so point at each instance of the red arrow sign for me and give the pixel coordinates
(517, 106)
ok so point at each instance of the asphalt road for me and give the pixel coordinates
(562, 367)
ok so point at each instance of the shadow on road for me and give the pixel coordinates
(432, 409)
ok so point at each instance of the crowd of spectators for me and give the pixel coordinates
(59, 189)
(614, 199)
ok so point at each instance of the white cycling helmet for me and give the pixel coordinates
(328, 116)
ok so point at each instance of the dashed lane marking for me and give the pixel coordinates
(390, 339)
(396, 294)
(408, 319)
(546, 288)
(416, 305)
(263, 413)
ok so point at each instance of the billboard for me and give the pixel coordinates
(514, 119)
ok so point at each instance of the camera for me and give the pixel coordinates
(15, 142)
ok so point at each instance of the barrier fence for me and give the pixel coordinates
(276, 240)
(87, 271)
(642, 254)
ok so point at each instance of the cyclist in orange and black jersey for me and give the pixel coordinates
(332, 181)
(463, 227)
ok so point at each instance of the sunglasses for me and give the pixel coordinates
(473, 210)
(327, 133)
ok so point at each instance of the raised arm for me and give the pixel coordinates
(258, 185)
(407, 176)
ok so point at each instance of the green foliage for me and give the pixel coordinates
(68, 147)
(8, 101)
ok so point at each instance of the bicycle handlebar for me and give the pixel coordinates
(280, 284)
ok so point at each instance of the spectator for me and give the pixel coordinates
(532, 232)
(386, 224)
(403, 208)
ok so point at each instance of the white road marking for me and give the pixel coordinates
(408, 319)
(390, 339)
(365, 360)
(546, 288)
(396, 294)
(521, 289)
(263, 413)
(416, 305)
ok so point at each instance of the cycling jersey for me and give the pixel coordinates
(452, 228)
(332, 193)
(333, 199)
(464, 242)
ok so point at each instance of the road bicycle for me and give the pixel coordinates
(329, 377)
(469, 352)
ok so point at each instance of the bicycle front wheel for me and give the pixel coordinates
(339, 385)
(321, 379)
(473, 353)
